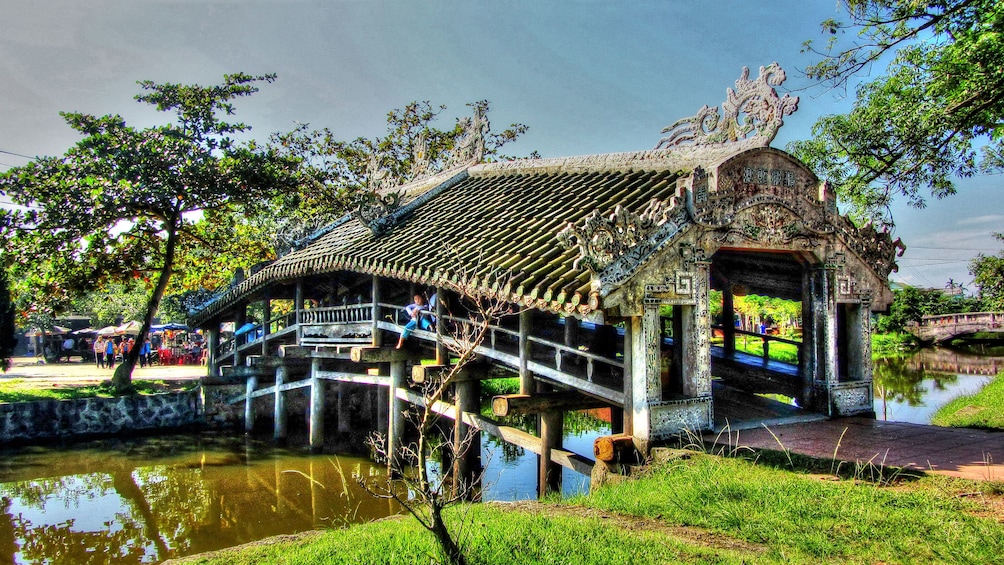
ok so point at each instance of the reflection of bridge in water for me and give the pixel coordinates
(951, 361)
(940, 329)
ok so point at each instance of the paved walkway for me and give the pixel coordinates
(78, 372)
(971, 454)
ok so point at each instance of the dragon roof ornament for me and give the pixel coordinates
(751, 115)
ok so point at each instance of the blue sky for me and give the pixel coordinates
(587, 77)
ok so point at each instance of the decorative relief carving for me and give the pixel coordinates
(753, 113)
(768, 225)
(601, 240)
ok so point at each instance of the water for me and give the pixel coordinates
(912, 388)
(149, 499)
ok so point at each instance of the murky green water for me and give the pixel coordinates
(149, 499)
(911, 388)
(146, 500)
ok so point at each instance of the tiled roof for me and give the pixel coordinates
(495, 226)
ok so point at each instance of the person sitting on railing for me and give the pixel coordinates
(414, 311)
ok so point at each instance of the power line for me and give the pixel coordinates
(16, 154)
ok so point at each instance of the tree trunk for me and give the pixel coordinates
(122, 379)
(445, 539)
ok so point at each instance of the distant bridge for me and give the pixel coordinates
(944, 328)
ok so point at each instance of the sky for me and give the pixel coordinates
(587, 77)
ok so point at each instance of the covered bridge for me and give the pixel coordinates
(607, 261)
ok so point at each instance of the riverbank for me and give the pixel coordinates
(984, 410)
(695, 509)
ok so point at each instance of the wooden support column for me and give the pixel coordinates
(383, 409)
(252, 384)
(298, 307)
(467, 464)
(344, 408)
(316, 407)
(525, 327)
(442, 354)
(807, 351)
(213, 357)
(395, 428)
(280, 404)
(240, 320)
(266, 326)
(377, 338)
(549, 472)
(728, 320)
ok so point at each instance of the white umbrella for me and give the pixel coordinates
(129, 328)
(108, 330)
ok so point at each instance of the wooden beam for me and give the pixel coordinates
(564, 401)
(515, 436)
(370, 354)
(423, 373)
(614, 448)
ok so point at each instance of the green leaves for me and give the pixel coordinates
(936, 114)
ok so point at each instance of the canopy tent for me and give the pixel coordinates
(248, 327)
(172, 326)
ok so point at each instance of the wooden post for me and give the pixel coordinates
(442, 355)
(213, 357)
(241, 319)
(316, 407)
(252, 384)
(266, 326)
(298, 307)
(525, 377)
(280, 404)
(395, 428)
(728, 320)
(376, 337)
(549, 472)
(467, 464)
(383, 410)
(807, 351)
(344, 408)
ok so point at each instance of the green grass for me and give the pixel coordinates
(24, 390)
(985, 409)
(785, 352)
(700, 510)
(883, 344)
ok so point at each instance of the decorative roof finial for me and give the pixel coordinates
(764, 114)
(471, 147)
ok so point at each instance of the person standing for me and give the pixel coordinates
(99, 352)
(110, 353)
(144, 353)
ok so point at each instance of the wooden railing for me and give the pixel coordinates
(767, 339)
(351, 313)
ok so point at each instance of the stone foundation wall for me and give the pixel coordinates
(55, 419)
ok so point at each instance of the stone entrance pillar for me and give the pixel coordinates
(655, 414)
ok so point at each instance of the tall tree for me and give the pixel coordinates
(988, 276)
(935, 115)
(414, 144)
(8, 341)
(119, 204)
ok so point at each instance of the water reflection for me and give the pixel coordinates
(911, 388)
(148, 500)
